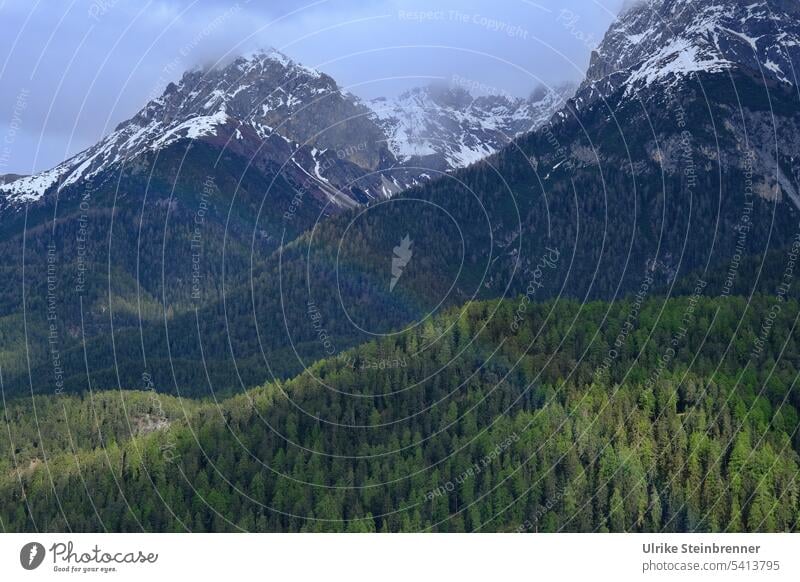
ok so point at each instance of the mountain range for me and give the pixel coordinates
(283, 117)
(349, 291)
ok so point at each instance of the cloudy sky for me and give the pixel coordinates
(71, 70)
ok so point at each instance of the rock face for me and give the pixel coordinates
(446, 127)
(291, 119)
(660, 41)
(661, 62)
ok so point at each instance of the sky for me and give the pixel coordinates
(71, 70)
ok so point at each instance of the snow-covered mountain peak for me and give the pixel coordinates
(662, 41)
(265, 106)
(263, 94)
(271, 56)
(447, 127)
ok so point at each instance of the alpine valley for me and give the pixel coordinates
(263, 303)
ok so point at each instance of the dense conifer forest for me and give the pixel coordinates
(655, 415)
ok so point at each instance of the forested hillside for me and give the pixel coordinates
(648, 415)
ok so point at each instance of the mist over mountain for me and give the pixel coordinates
(280, 116)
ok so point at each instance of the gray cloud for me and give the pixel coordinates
(86, 65)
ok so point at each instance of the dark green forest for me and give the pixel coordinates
(638, 415)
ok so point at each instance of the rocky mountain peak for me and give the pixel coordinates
(286, 116)
(446, 127)
(659, 41)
